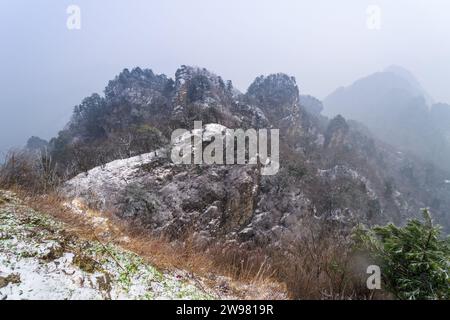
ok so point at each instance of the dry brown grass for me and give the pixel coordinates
(321, 271)
(33, 172)
(321, 264)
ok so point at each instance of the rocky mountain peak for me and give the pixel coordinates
(336, 131)
(133, 86)
(277, 95)
(198, 85)
(188, 73)
(275, 89)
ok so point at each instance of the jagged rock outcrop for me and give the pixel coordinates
(173, 200)
(277, 94)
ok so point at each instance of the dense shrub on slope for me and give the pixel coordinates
(414, 259)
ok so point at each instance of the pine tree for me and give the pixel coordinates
(414, 259)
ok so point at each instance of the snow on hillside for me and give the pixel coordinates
(39, 259)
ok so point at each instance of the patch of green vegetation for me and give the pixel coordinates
(148, 296)
(414, 259)
(124, 279)
(129, 269)
(156, 275)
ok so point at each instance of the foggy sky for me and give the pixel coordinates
(47, 69)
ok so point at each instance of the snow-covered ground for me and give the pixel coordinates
(110, 178)
(39, 259)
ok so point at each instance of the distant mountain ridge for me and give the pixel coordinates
(396, 108)
(407, 75)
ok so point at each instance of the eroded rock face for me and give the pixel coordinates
(173, 200)
(336, 132)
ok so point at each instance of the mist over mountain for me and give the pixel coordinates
(407, 75)
(395, 107)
